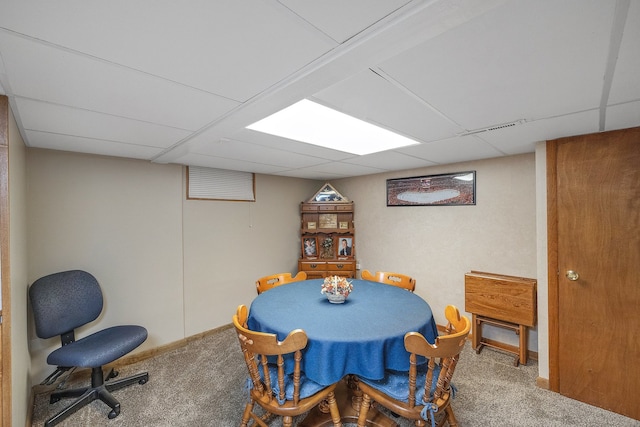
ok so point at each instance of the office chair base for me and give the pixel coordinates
(99, 390)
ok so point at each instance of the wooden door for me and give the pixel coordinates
(594, 325)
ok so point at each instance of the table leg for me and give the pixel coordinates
(476, 340)
(523, 344)
(346, 398)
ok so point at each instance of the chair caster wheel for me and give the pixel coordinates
(143, 381)
(113, 414)
(53, 399)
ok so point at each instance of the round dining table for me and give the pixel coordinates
(362, 336)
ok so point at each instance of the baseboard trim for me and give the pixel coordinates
(148, 354)
(542, 383)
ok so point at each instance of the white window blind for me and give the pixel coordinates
(219, 184)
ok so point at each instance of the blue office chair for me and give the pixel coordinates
(62, 302)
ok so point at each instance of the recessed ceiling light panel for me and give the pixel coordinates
(312, 123)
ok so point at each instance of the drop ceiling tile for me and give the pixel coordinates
(626, 78)
(343, 169)
(204, 141)
(41, 72)
(239, 150)
(370, 97)
(623, 116)
(340, 19)
(389, 160)
(524, 60)
(51, 118)
(229, 164)
(231, 48)
(522, 138)
(453, 150)
(308, 174)
(90, 146)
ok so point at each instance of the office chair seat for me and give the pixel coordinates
(100, 348)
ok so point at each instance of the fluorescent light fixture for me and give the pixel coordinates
(310, 122)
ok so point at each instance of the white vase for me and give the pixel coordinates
(336, 298)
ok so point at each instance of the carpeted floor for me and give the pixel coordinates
(202, 384)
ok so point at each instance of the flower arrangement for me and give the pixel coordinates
(327, 248)
(327, 243)
(336, 286)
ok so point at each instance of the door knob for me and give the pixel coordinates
(572, 275)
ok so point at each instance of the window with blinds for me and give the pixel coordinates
(220, 184)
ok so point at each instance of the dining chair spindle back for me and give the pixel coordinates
(395, 279)
(276, 391)
(426, 390)
(267, 282)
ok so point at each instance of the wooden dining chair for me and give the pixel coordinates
(425, 390)
(395, 279)
(279, 393)
(267, 282)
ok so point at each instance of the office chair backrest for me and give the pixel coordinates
(64, 301)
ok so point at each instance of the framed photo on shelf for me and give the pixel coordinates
(447, 189)
(344, 247)
(310, 247)
(344, 225)
(311, 225)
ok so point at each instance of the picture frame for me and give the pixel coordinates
(326, 246)
(310, 247)
(344, 246)
(447, 189)
(311, 225)
(343, 225)
(327, 193)
(326, 220)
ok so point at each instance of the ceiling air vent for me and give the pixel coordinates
(492, 128)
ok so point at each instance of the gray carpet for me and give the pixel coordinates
(202, 383)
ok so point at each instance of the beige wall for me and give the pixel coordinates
(118, 219)
(177, 267)
(228, 245)
(20, 361)
(437, 245)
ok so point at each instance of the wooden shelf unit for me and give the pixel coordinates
(333, 221)
(504, 301)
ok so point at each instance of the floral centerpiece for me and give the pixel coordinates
(327, 248)
(336, 288)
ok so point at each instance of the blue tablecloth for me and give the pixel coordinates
(363, 336)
